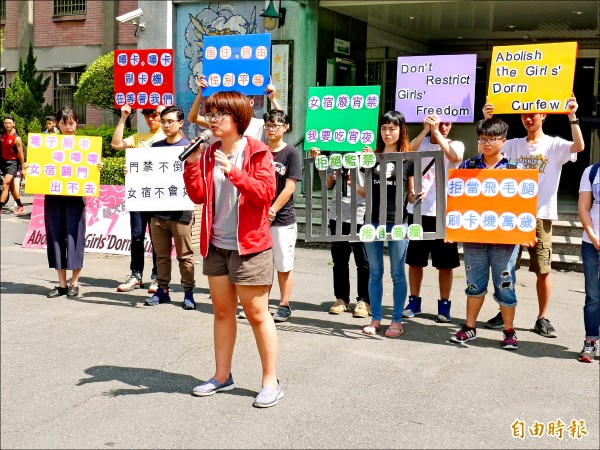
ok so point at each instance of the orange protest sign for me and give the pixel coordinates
(492, 206)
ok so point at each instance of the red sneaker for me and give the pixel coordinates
(20, 210)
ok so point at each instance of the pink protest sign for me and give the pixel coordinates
(144, 78)
(443, 85)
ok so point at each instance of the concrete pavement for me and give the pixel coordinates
(104, 371)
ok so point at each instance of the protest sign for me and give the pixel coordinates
(535, 78)
(144, 78)
(492, 206)
(437, 84)
(154, 180)
(107, 224)
(63, 165)
(342, 118)
(239, 62)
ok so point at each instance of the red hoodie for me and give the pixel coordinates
(256, 185)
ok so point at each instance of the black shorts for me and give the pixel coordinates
(11, 167)
(443, 255)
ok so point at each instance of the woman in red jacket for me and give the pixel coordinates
(234, 179)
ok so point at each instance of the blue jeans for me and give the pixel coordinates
(138, 221)
(397, 251)
(501, 258)
(591, 310)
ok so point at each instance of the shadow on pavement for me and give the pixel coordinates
(148, 381)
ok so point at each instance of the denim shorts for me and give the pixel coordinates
(501, 259)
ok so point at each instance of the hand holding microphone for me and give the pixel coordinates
(204, 137)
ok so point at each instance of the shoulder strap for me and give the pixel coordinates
(593, 172)
(472, 162)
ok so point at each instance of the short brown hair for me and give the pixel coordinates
(233, 103)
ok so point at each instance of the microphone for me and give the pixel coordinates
(204, 136)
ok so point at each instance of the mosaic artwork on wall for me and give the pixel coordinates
(195, 20)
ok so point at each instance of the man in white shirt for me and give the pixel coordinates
(547, 154)
(444, 256)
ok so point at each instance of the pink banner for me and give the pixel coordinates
(107, 224)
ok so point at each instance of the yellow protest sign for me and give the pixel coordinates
(536, 78)
(63, 165)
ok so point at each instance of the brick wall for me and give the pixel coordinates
(50, 33)
(11, 33)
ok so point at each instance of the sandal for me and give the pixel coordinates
(393, 332)
(371, 330)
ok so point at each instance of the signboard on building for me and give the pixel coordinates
(237, 63)
(443, 85)
(534, 78)
(154, 180)
(144, 78)
(341, 46)
(493, 206)
(63, 165)
(342, 118)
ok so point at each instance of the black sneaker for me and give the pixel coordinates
(58, 292)
(545, 328)
(496, 322)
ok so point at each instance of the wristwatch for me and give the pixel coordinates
(574, 122)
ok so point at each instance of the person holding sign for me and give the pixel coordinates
(589, 214)
(444, 256)
(234, 180)
(64, 219)
(172, 226)
(256, 129)
(547, 154)
(282, 213)
(139, 220)
(341, 250)
(481, 258)
(392, 136)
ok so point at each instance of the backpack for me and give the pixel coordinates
(594, 171)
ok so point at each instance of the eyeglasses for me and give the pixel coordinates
(489, 140)
(273, 126)
(218, 116)
(168, 123)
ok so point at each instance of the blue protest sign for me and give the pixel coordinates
(239, 62)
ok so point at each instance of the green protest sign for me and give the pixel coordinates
(342, 118)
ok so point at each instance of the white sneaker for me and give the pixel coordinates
(131, 282)
(153, 286)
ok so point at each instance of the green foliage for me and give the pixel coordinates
(48, 110)
(20, 103)
(105, 133)
(34, 126)
(96, 84)
(112, 172)
(29, 75)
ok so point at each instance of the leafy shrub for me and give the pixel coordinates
(106, 133)
(112, 172)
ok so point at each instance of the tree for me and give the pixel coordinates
(19, 101)
(29, 75)
(96, 84)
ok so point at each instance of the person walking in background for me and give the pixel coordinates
(547, 154)
(138, 220)
(444, 256)
(481, 258)
(172, 226)
(12, 163)
(234, 180)
(282, 213)
(341, 250)
(392, 136)
(64, 219)
(589, 214)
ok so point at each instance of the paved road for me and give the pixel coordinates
(103, 371)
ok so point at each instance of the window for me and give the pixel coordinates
(2, 9)
(65, 84)
(69, 7)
